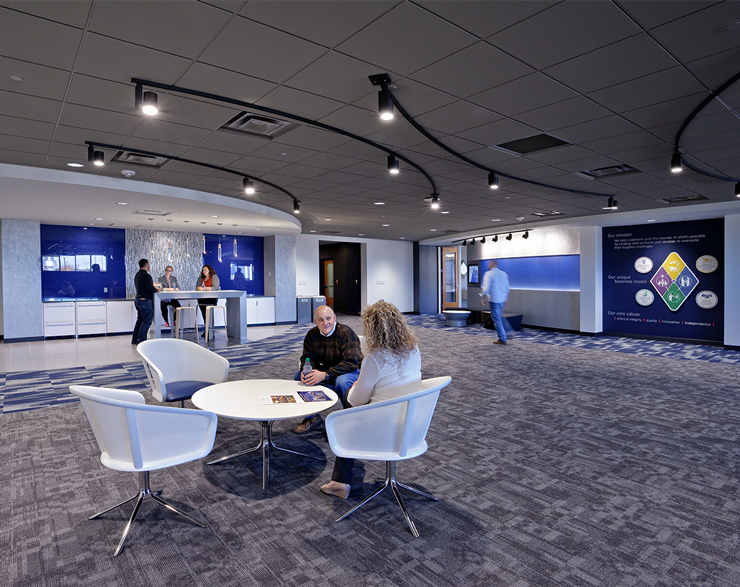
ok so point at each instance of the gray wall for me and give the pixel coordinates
(428, 283)
(280, 275)
(546, 308)
(20, 265)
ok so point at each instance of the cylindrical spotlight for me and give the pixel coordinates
(465, 243)
(385, 104)
(494, 238)
(509, 237)
(676, 164)
(99, 158)
(526, 234)
(248, 186)
(149, 104)
(492, 181)
(296, 207)
(737, 189)
(483, 240)
(435, 201)
(393, 164)
(611, 204)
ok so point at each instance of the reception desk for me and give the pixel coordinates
(236, 309)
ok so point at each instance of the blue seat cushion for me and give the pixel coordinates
(180, 390)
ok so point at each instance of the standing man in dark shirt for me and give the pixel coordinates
(144, 302)
(333, 351)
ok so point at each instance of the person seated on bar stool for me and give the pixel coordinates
(333, 351)
(168, 281)
(207, 281)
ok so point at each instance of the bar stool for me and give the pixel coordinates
(178, 320)
(211, 318)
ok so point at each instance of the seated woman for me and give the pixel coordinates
(391, 368)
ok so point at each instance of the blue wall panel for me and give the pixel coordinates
(557, 272)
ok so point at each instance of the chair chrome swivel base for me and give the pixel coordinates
(144, 491)
(390, 480)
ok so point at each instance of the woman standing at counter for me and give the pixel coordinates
(207, 281)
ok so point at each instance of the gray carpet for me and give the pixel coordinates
(554, 466)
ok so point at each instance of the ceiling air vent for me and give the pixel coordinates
(607, 171)
(548, 213)
(139, 159)
(257, 125)
(531, 144)
(683, 199)
(152, 212)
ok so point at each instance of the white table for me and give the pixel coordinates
(242, 400)
(236, 309)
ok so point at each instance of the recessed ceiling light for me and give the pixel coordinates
(122, 203)
(402, 238)
(91, 224)
(100, 219)
(495, 220)
(361, 234)
(386, 225)
(16, 78)
(213, 216)
(651, 220)
(283, 154)
(327, 219)
(258, 229)
(311, 231)
(445, 212)
(380, 203)
(75, 165)
(432, 230)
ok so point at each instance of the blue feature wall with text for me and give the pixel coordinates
(665, 280)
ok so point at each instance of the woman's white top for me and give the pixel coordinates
(385, 375)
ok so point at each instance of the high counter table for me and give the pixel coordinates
(236, 309)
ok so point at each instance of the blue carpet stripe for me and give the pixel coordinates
(29, 390)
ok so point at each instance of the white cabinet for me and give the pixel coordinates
(260, 311)
(120, 316)
(59, 319)
(91, 318)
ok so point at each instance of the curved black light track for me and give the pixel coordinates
(694, 113)
(491, 234)
(192, 162)
(462, 157)
(334, 129)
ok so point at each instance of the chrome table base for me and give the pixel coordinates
(144, 491)
(265, 444)
(390, 480)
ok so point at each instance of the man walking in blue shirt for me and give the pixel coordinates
(495, 287)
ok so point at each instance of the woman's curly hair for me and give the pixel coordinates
(386, 329)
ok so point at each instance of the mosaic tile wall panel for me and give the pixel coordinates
(182, 250)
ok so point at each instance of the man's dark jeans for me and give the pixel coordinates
(144, 316)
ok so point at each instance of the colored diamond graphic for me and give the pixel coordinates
(674, 281)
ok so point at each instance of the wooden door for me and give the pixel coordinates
(329, 282)
(450, 284)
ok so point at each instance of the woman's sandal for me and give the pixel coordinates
(337, 489)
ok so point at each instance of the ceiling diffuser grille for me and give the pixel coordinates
(683, 199)
(139, 159)
(608, 171)
(257, 125)
(531, 144)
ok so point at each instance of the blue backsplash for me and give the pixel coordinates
(82, 262)
(246, 270)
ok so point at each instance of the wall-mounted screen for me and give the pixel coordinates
(473, 274)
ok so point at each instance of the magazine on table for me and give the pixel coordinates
(314, 396)
(278, 399)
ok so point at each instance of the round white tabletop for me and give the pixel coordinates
(242, 400)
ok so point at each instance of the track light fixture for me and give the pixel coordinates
(435, 201)
(737, 189)
(526, 234)
(612, 204)
(676, 163)
(296, 207)
(95, 157)
(393, 164)
(509, 237)
(492, 181)
(465, 243)
(146, 101)
(483, 240)
(248, 186)
(385, 104)
(494, 238)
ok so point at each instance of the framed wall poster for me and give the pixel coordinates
(473, 275)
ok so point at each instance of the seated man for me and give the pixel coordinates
(333, 351)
